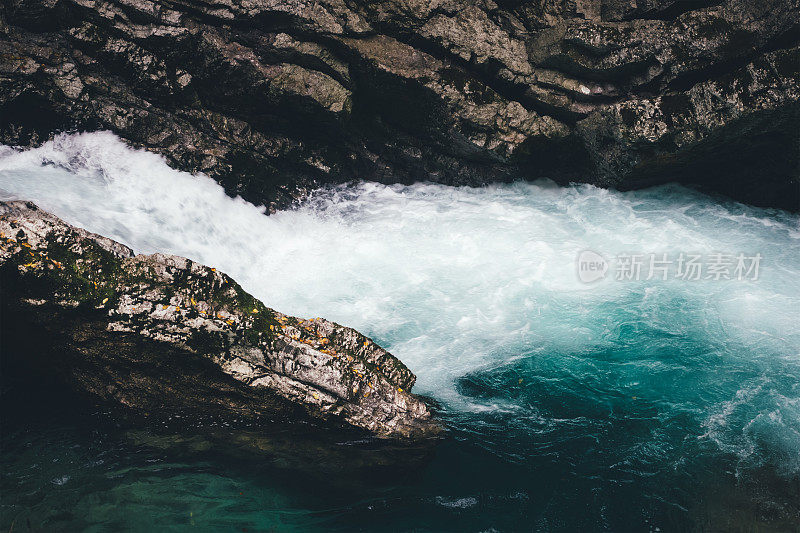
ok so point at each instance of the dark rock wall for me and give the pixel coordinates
(271, 97)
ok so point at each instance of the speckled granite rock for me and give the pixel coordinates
(153, 332)
(273, 97)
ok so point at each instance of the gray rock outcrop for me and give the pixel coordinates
(158, 333)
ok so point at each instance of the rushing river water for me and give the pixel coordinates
(622, 405)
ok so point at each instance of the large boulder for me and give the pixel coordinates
(272, 97)
(163, 334)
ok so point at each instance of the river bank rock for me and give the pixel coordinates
(274, 97)
(159, 333)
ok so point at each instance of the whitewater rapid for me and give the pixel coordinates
(464, 283)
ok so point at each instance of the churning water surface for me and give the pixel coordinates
(617, 405)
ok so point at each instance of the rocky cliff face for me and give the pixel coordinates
(274, 96)
(163, 334)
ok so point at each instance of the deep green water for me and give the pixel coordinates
(643, 405)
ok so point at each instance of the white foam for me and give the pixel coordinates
(452, 280)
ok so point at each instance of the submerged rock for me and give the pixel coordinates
(161, 333)
(271, 98)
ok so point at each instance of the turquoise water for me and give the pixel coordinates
(616, 405)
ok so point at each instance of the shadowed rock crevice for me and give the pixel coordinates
(273, 98)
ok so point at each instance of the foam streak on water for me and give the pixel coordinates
(476, 290)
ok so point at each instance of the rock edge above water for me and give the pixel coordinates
(161, 332)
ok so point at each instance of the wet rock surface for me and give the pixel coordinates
(274, 97)
(162, 334)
